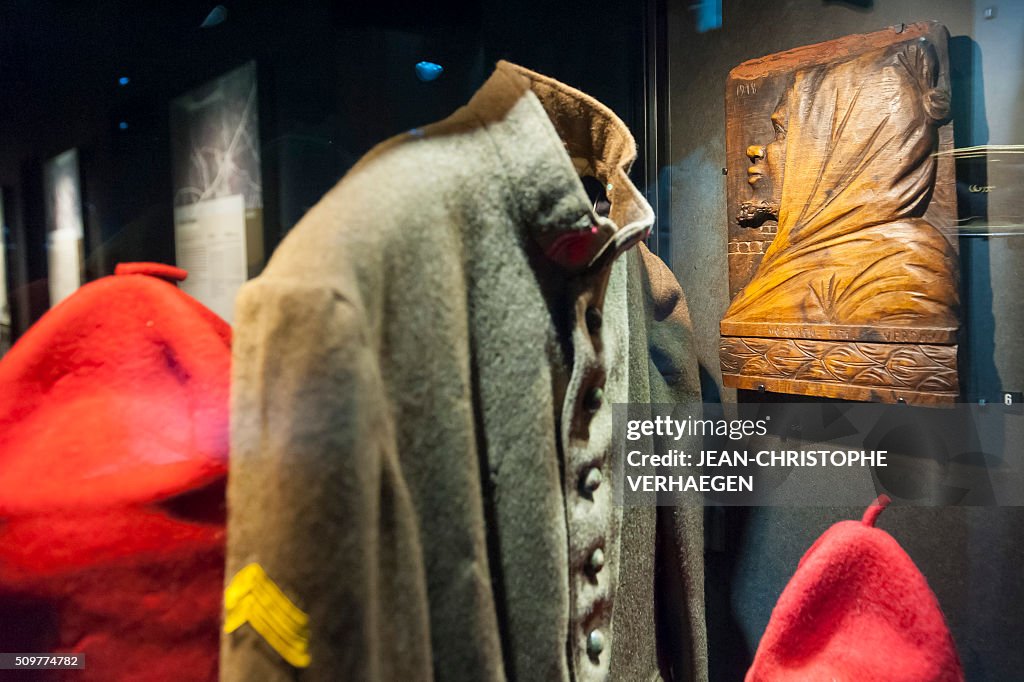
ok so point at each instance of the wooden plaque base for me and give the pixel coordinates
(920, 374)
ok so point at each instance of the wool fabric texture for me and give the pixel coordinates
(113, 457)
(857, 608)
(421, 414)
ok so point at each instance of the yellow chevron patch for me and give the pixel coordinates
(252, 597)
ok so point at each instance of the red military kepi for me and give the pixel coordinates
(113, 457)
(857, 609)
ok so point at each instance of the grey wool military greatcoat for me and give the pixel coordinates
(420, 485)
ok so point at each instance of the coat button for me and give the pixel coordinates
(596, 561)
(594, 399)
(594, 320)
(595, 643)
(592, 481)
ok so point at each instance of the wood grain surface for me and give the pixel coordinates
(842, 209)
(884, 372)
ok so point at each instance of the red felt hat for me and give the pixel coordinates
(123, 386)
(113, 456)
(856, 609)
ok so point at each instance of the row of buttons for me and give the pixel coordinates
(592, 480)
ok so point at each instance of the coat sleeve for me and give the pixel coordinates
(673, 353)
(316, 500)
(675, 379)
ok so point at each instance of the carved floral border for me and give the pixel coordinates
(918, 367)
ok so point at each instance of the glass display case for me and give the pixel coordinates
(317, 321)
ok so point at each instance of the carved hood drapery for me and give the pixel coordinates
(852, 248)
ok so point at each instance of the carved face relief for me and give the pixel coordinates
(765, 175)
(866, 131)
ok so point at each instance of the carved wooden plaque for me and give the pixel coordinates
(843, 257)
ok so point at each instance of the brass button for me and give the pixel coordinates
(594, 320)
(595, 643)
(594, 399)
(592, 481)
(596, 561)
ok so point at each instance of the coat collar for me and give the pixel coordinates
(547, 135)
